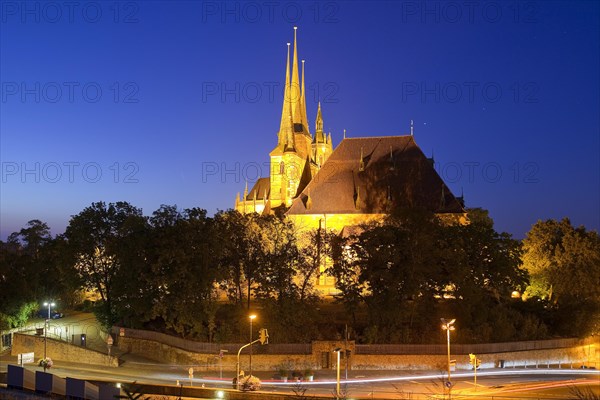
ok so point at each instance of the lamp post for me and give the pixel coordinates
(252, 316)
(448, 326)
(337, 385)
(46, 326)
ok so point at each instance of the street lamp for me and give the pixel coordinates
(448, 326)
(252, 316)
(337, 386)
(46, 326)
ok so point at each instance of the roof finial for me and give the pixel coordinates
(344, 134)
(411, 127)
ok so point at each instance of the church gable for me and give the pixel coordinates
(373, 176)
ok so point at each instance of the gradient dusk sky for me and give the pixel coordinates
(179, 102)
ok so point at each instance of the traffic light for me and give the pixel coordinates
(474, 361)
(263, 336)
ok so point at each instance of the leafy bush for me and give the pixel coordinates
(250, 383)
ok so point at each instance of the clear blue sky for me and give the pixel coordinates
(141, 101)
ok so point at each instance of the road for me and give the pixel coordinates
(499, 383)
(507, 384)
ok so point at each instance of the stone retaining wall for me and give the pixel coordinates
(586, 353)
(568, 357)
(59, 351)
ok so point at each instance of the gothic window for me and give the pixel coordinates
(281, 168)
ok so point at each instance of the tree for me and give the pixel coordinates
(275, 256)
(230, 231)
(95, 237)
(33, 237)
(33, 267)
(564, 263)
(258, 254)
(314, 249)
(183, 271)
(392, 268)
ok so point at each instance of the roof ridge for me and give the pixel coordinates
(376, 137)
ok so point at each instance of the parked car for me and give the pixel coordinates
(43, 313)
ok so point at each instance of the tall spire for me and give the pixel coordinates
(287, 106)
(303, 104)
(319, 136)
(295, 86)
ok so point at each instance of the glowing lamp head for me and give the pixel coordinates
(448, 325)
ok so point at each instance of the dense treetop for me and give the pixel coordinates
(195, 276)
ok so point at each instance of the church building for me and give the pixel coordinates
(361, 180)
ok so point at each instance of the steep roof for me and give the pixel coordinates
(373, 175)
(261, 187)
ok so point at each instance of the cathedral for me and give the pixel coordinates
(361, 180)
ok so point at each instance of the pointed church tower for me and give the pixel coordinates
(319, 136)
(285, 126)
(288, 159)
(321, 148)
(296, 93)
(303, 105)
(302, 137)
